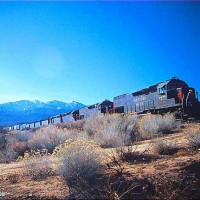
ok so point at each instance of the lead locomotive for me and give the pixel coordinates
(173, 95)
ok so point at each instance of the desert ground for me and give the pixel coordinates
(144, 174)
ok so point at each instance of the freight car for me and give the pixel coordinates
(173, 95)
(96, 109)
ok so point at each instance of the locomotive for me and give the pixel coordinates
(173, 95)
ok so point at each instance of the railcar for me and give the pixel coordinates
(173, 95)
(68, 117)
(96, 109)
(37, 124)
(44, 122)
(57, 119)
(22, 126)
(32, 125)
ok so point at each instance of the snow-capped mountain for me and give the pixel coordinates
(28, 111)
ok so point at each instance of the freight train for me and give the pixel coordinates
(173, 95)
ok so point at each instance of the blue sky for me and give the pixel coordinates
(91, 51)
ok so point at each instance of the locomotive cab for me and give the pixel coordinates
(192, 103)
(185, 97)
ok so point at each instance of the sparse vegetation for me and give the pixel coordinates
(109, 131)
(8, 154)
(162, 147)
(48, 138)
(151, 126)
(194, 138)
(112, 130)
(78, 157)
(81, 167)
(84, 170)
(37, 165)
(13, 178)
(78, 125)
(132, 155)
(2, 141)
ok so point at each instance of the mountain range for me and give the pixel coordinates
(28, 111)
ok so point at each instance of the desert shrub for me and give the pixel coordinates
(13, 178)
(194, 138)
(111, 130)
(81, 167)
(19, 147)
(151, 126)
(163, 148)
(169, 123)
(79, 124)
(37, 165)
(14, 145)
(109, 137)
(2, 140)
(2, 156)
(131, 154)
(93, 124)
(48, 138)
(23, 136)
(8, 154)
(84, 169)
(130, 127)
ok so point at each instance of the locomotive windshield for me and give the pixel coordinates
(162, 90)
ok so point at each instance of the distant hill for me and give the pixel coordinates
(28, 111)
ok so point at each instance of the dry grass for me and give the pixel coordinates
(37, 165)
(194, 138)
(132, 154)
(2, 141)
(151, 126)
(81, 167)
(78, 125)
(13, 178)
(111, 130)
(162, 147)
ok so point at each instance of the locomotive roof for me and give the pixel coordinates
(153, 88)
(97, 104)
(119, 96)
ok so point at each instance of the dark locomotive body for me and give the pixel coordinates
(173, 95)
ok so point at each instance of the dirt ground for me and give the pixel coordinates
(54, 186)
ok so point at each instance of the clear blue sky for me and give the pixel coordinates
(90, 51)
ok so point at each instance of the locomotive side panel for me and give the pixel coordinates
(118, 103)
